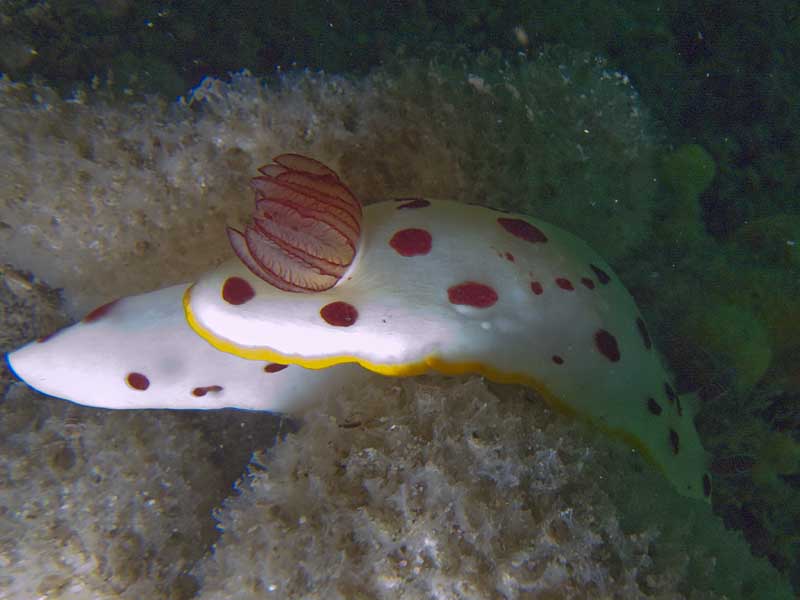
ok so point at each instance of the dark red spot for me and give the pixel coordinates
(587, 282)
(564, 284)
(602, 276)
(411, 242)
(653, 406)
(674, 441)
(202, 391)
(536, 288)
(522, 229)
(607, 345)
(274, 367)
(557, 359)
(100, 311)
(706, 485)
(237, 291)
(412, 203)
(137, 381)
(44, 338)
(472, 294)
(509, 256)
(339, 314)
(648, 343)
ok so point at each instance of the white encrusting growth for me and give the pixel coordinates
(144, 341)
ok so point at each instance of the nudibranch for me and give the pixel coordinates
(401, 287)
(139, 352)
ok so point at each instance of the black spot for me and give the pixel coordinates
(706, 485)
(653, 406)
(674, 441)
(648, 343)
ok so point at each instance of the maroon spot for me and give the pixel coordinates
(339, 314)
(602, 276)
(509, 256)
(587, 282)
(653, 406)
(706, 485)
(274, 367)
(411, 242)
(44, 338)
(137, 381)
(522, 229)
(564, 284)
(202, 391)
(536, 288)
(674, 441)
(472, 294)
(648, 343)
(237, 291)
(557, 359)
(100, 311)
(607, 345)
(412, 203)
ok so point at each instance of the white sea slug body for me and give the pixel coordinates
(414, 285)
(139, 352)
